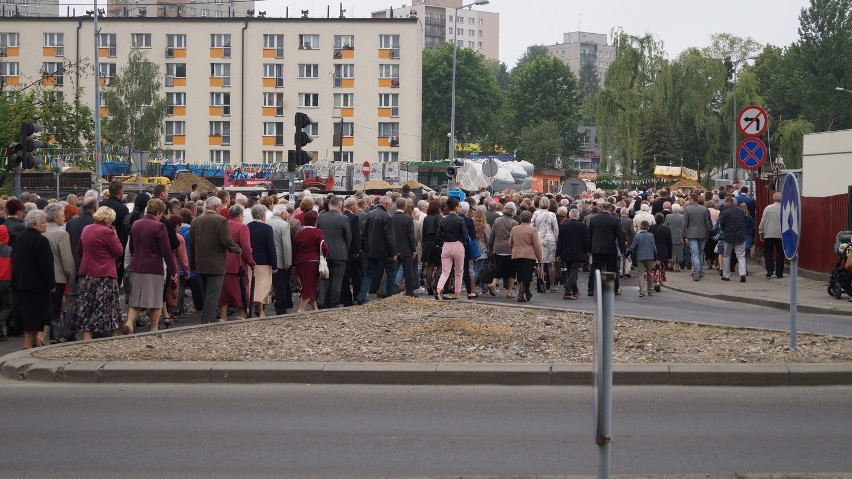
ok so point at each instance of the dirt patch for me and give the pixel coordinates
(184, 184)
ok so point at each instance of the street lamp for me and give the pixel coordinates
(452, 152)
(840, 88)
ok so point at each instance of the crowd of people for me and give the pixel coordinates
(66, 266)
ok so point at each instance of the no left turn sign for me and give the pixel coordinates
(752, 121)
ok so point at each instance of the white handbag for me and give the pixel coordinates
(323, 263)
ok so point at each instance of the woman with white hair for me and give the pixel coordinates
(544, 221)
(65, 271)
(33, 280)
(674, 222)
(98, 306)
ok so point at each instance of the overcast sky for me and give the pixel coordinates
(680, 24)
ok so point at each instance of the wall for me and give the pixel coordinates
(827, 163)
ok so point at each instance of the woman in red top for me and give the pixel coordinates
(98, 308)
(235, 287)
(306, 253)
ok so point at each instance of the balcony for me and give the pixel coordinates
(344, 52)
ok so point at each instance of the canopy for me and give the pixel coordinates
(675, 172)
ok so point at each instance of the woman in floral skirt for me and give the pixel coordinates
(98, 306)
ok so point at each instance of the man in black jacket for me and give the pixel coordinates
(354, 270)
(378, 240)
(572, 246)
(116, 191)
(406, 247)
(338, 235)
(732, 226)
(607, 244)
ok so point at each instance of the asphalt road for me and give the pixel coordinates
(384, 431)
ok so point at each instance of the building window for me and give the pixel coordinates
(480, 45)
(220, 99)
(174, 70)
(205, 12)
(344, 100)
(220, 156)
(390, 100)
(308, 70)
(140, 40)
(8, 40)
(390, 42)
(388, 156)
(471, 33)
(174, 128)
(310, 100)
(389, 130)
(175, 99)
(272, 157)
(54, 71)
(308, 42)
(274, 100)
(342, 130)
(106, 70)
(274, 129)
(274, 42)
(471, 44)
(223, 129)
(388, 71)
(108, 41)
(346, 70)
(57, 41)
(276, 71)
(480, 22)
(223, 41)
(312, 129)
(221, 70)
(459, 19)
(344, 156)
(177, 155)
(176, 40)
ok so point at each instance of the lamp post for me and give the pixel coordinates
(840, 88)
(452, 152)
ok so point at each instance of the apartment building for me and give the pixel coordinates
(234, 84)
(29, 8)
(179, 8)
(578, 48)
(472, 28)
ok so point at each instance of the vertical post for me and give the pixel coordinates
(734, 131)
(849, 216)
(98, 166)
(17, 181)
(605, 292)
(794, 300)
(452, 153)
(341, 131)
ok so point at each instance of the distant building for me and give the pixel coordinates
(29, 8)
(578, 48)
(474, 29)
(179, 8)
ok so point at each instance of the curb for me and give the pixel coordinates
(761, 302)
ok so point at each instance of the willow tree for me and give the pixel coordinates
(626, 92)
(137, 108)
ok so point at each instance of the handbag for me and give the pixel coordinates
(472, 248)
(848, 264)
(323, 263)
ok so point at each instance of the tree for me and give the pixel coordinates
(823, 58)
(545, 89)
(533, 52)
(657, 142)
(590, 83)
(478, 99)
(791, 135)
(500, 72)
(136, 107)
(540, 144)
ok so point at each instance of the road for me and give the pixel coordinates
(53, 430)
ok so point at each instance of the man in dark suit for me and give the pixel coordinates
(379, 242)
(572, 246)
(74, 228)
(406, 247)
(338, 234)
(354, 270)
(607, 244)
(116, 191)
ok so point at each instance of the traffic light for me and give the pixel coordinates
(454, 167)
(301, 138)
(14, 155)
(29, 145)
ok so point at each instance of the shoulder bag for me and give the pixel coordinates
(323, 263)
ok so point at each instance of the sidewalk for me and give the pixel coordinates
(812, 295)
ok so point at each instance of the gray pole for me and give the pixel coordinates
(794, 300)
(734, 130)
(603, 434)
(452, 153)
(98, 160)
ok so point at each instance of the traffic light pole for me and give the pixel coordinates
(17, 181)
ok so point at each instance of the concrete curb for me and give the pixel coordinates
(23, 367)
(761, 302)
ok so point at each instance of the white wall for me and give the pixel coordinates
(827, 163)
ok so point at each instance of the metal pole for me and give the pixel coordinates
(452, 153)
(98, 160)
(17, 180)
(734, 130)
(604, 432)
(794, 300)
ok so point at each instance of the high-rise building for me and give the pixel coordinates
(29, 8)
(179, 8)
(473, 28)
(233, 85)
(578, 48)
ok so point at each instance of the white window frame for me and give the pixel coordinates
(341, 41)
(344, 70)
(309, 41)
(308, 100)
(390, 42)
(107, 70)
(390, 100)
(348, 129)
(174, 128)
(55, 70)
(145, 37)
(276, 71)
(10, 40)
(176, 40)
(108, 41)
(389, 70)
(222, 99)
(223, 129)
(312, 129)
(222, 157)
(274, 41)
(345, 156)
(388, 129)
(221, 70)
(388, 156)
(274, 100)
(308, 70)
(344, 100)
(271, 157)
(223, 41)
(274, 129)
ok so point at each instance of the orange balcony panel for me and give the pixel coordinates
(180, 81)
(347, 83)
(48, 51)
(384, 112)
(103, 52)
(48, 81)
(385, 82)
(348, 141)
(215, 111)
(269, 52)
(104, 111)
(13, 51)
(217, 53)
(347, 53)
(12, 81)
(103, 81)
(268, 141)
(384, 141)
(215, 140)
(269, 83)
(268, 111)
(216, 81)
(385, 53)
(179, 140)
(179, 110)
(180, 52)
(347, 112)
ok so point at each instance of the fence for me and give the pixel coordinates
(822, 219)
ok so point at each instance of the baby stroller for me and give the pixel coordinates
(840, 277)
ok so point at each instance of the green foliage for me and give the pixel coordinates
(589, 81)
(545, 89)
(540, 144)
(533, 52)
(136, 106)
(478, 99)
(657, 142)
(791, 135)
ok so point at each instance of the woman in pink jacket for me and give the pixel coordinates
(98, 308)
(235, 288)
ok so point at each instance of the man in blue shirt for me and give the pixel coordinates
(743, 197)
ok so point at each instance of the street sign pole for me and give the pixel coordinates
(791, 227)
(794, 300)
(605, 297)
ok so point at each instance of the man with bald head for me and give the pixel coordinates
(378, 240)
